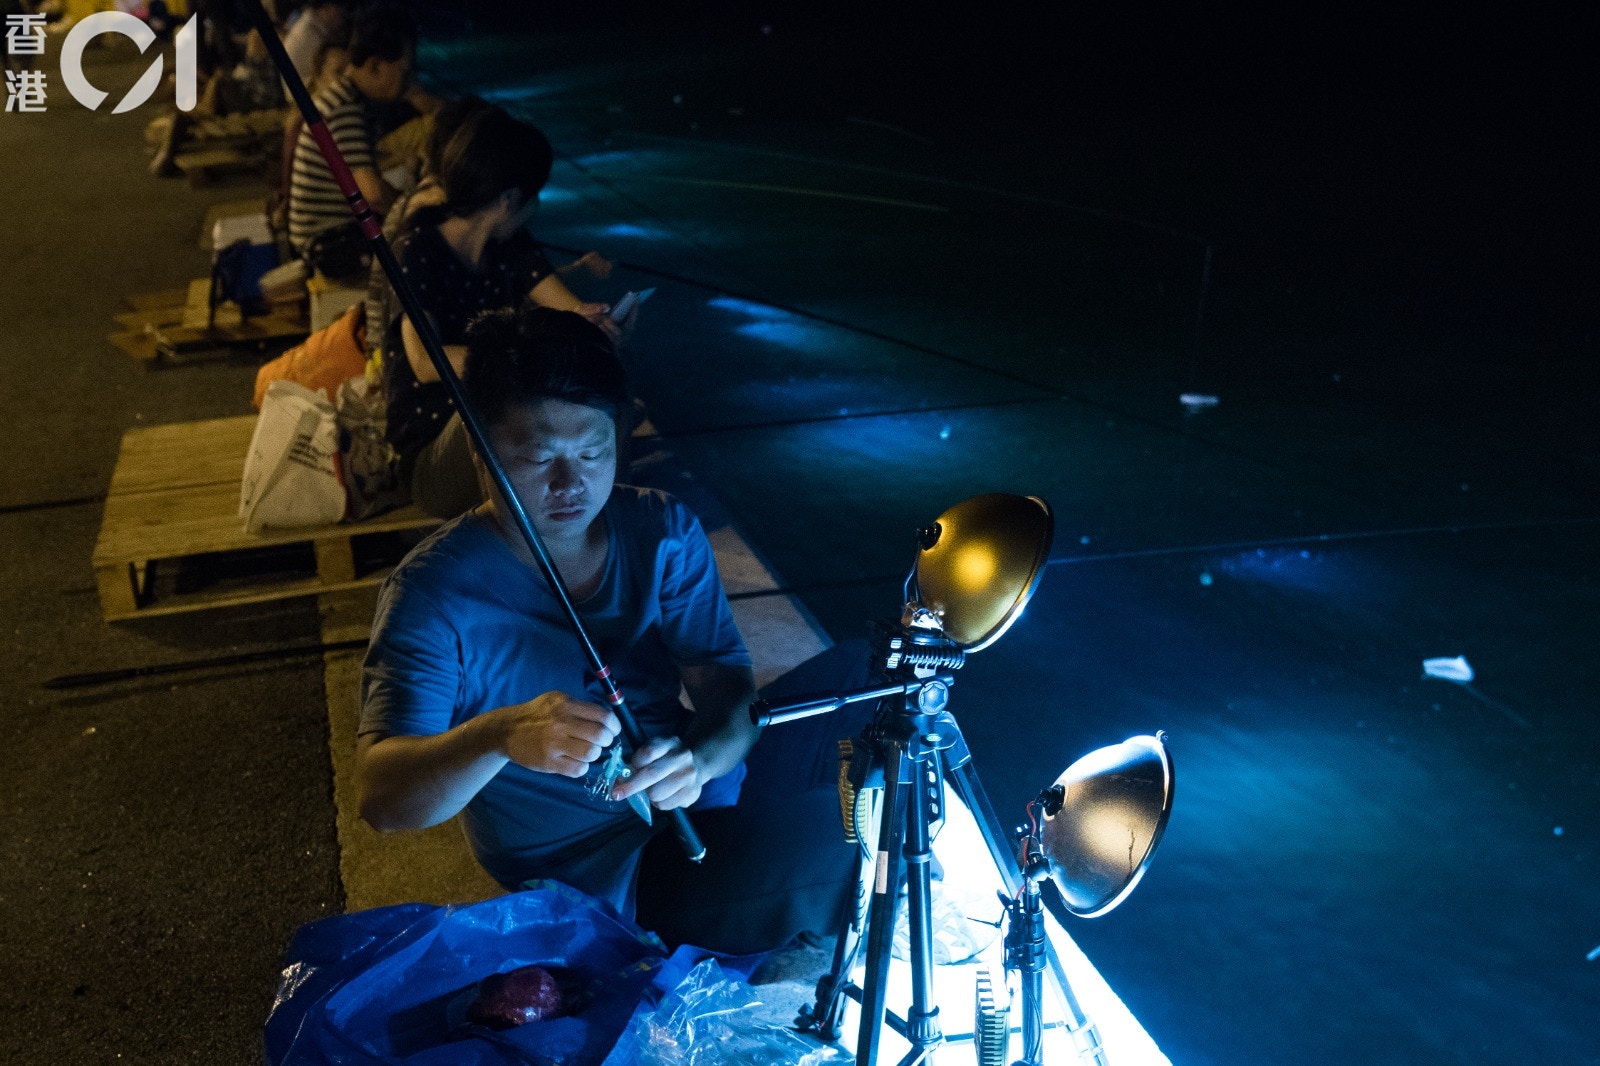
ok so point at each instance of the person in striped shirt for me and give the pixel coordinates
(380, 51)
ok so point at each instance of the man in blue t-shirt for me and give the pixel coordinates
(475, 696)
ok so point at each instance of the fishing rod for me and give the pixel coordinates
(426, 331)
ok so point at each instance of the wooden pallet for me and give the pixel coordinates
(179, 332)
(172, 509)
(151, 318)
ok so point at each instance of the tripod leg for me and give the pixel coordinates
(826, 1016)
(924, 802)
(889, 875)
(970, 789)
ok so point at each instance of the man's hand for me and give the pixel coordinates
(665, 771)
(553, 292)
(412, 782)
(556, 734)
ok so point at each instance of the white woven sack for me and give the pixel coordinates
(291, 475)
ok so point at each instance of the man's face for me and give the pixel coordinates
(385, 78)
(330, 15)
(561, 460)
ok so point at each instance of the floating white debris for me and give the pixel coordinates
(1456, 669)
(1197, 401)
(1595, 954)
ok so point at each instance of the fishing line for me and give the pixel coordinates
(1219, 547)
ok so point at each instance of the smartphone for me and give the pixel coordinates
(624, 307)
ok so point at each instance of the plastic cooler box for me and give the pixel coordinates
(260, 255)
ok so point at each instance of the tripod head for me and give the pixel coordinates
(974, 571)
(917, 645)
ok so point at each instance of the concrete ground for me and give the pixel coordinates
(862, 317)
(163, 837)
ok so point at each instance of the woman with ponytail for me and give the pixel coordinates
(469, 254)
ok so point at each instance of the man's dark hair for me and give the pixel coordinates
(489, 153)
(384, 31)
(519, 356)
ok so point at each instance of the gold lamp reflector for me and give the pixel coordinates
(1113, 808)
(980, 562)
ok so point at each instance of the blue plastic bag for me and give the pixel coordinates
(377, 986)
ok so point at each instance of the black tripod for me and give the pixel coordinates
(909, 750)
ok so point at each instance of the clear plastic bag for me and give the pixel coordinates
(711, 1019)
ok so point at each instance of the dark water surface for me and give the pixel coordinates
(899, 263)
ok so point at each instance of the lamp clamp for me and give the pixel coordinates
(920, 649)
